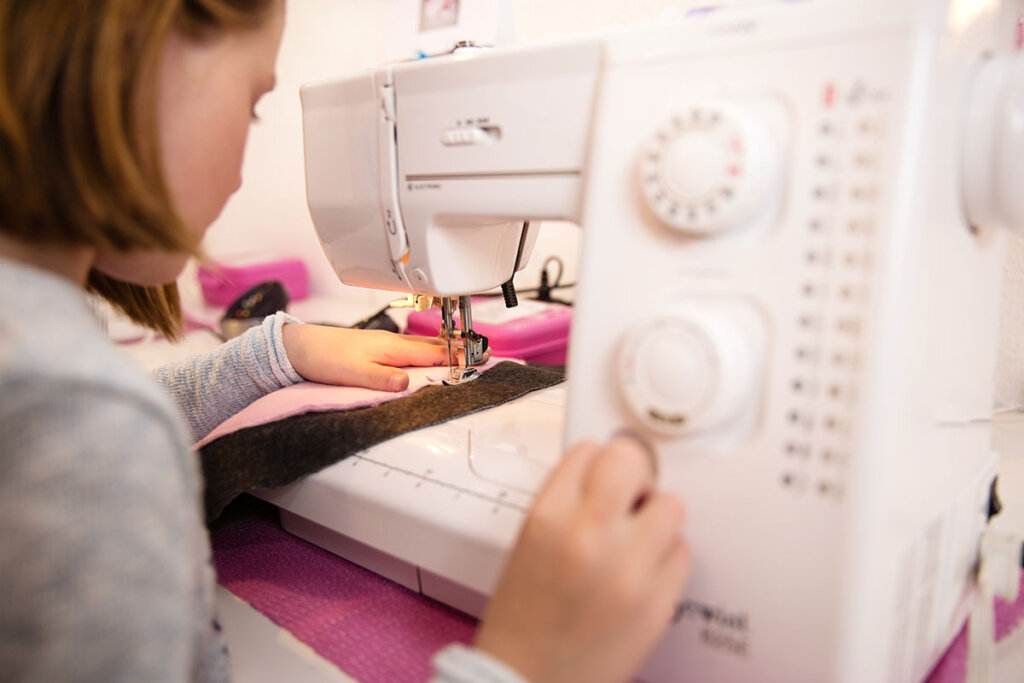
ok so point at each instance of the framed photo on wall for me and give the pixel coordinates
(435, 14)
(420, 28)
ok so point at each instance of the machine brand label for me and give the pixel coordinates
(719, 628)
(413, 187)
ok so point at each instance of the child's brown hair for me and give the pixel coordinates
(79, 160)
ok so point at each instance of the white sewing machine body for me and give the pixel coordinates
(779, 290)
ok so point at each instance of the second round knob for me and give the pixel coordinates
(690, 372)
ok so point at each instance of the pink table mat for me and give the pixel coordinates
(952, 668)
(375, 630)
(369, 627)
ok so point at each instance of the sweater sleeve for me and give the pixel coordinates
(97, 581)
(211, 387)
(457, 663)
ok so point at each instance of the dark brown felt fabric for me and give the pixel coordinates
(278, 453)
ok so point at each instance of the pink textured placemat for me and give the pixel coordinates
(369, 627)
(952, 668)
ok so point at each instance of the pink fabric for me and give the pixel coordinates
(310, 397)
(952, 668)
(369, 627)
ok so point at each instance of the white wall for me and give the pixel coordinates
(325, 38)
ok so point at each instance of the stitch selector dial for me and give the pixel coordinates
(688, 373)
(710, 169)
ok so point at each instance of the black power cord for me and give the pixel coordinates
(546, 285)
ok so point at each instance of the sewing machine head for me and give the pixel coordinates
(423, 177)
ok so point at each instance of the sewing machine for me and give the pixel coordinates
(792, 219)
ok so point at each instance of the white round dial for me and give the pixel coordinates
(993, 158)
(689, 372)
(710, 169)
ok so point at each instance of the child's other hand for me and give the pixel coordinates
(594, 578)
(359, 358)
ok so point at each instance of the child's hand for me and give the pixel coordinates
(594, 578)
(359, 358)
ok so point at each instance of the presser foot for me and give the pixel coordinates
(460, 375)
(473, 345)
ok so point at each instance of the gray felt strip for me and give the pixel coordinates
(278, 453)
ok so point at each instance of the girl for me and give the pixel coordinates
(122, 128)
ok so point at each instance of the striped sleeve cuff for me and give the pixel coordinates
(280, 366)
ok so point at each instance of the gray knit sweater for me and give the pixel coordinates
(105, 570)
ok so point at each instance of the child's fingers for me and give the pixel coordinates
(657, 525)
(670, 575)
(374, 376)
(565, 483)
(436, 341)
(403, 352)
(618, 478)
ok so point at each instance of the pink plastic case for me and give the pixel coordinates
(222, 283)
(536, 331)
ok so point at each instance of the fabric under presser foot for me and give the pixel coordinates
(277, 453)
